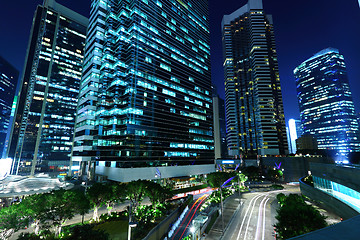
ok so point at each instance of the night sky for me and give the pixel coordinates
(302, 28)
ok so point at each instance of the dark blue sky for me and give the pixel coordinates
(302, 28)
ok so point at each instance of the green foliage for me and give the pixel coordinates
(277, 187)
(85, 232)
(274, 174)
(114, 216)
(156, 192)
(251, 172)
(309, 180)
(295, 217)
(135, 191)
(217, 179)
(281, 198)
(28, 236)
(145, 214)
(14, 217)
(216, 198)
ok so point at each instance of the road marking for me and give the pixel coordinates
(263, 233)
(243, 221)
(260, 214)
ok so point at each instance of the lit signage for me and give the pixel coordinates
(228, 162)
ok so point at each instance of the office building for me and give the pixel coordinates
(8, 83)
(294, 130)
(306, 142)
(42, 132)
(219, 127)
(254, 107)
(145, 104)
(326, 106)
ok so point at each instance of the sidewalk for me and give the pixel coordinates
(230, 206)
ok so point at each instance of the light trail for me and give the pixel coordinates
(193, 216)
(260, 215)
(243, 221)
(263, 233)
(247, 226)
(186, 216)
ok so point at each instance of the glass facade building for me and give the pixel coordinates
(294, 130)
(326, 106)
(254, 107)
(8, 83)
(45, 114)
(145, 96)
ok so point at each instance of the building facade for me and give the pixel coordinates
(294, 131)
(145, 98)
(219, 127)
(8, 83)
(326, 107)
(254, 107)
(42, 132)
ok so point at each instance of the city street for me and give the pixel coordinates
(256, 216)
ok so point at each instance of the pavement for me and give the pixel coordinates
(231, 206)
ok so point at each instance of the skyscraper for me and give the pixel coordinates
(294, 132)
(45, 113)
(326, 106)
(145, 104)
(254, 107)
(8, 82)
(219, 127)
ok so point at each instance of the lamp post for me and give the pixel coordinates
(131, 224)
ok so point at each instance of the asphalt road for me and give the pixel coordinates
(256, 217)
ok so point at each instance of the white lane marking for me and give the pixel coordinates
(263, 233)
(259, 222)
(243, 221)
(247, 226)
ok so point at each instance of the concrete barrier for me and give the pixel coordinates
(328, 201)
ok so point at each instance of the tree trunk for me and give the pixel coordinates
(37, 227)
(82, 219)
(109, 208)
(96, 214)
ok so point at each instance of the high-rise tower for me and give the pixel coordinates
(326, 107)
(145, 105)
(45, 115)
(8, 82)
(254, 107)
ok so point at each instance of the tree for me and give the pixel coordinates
(295, 217)
(135, 191)
(242, 178)
(116, 193)
(156, 193)
(252, 172)
(218, 180)
(14, 217)
(97, 195)
(62, 205)
(36, 205)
